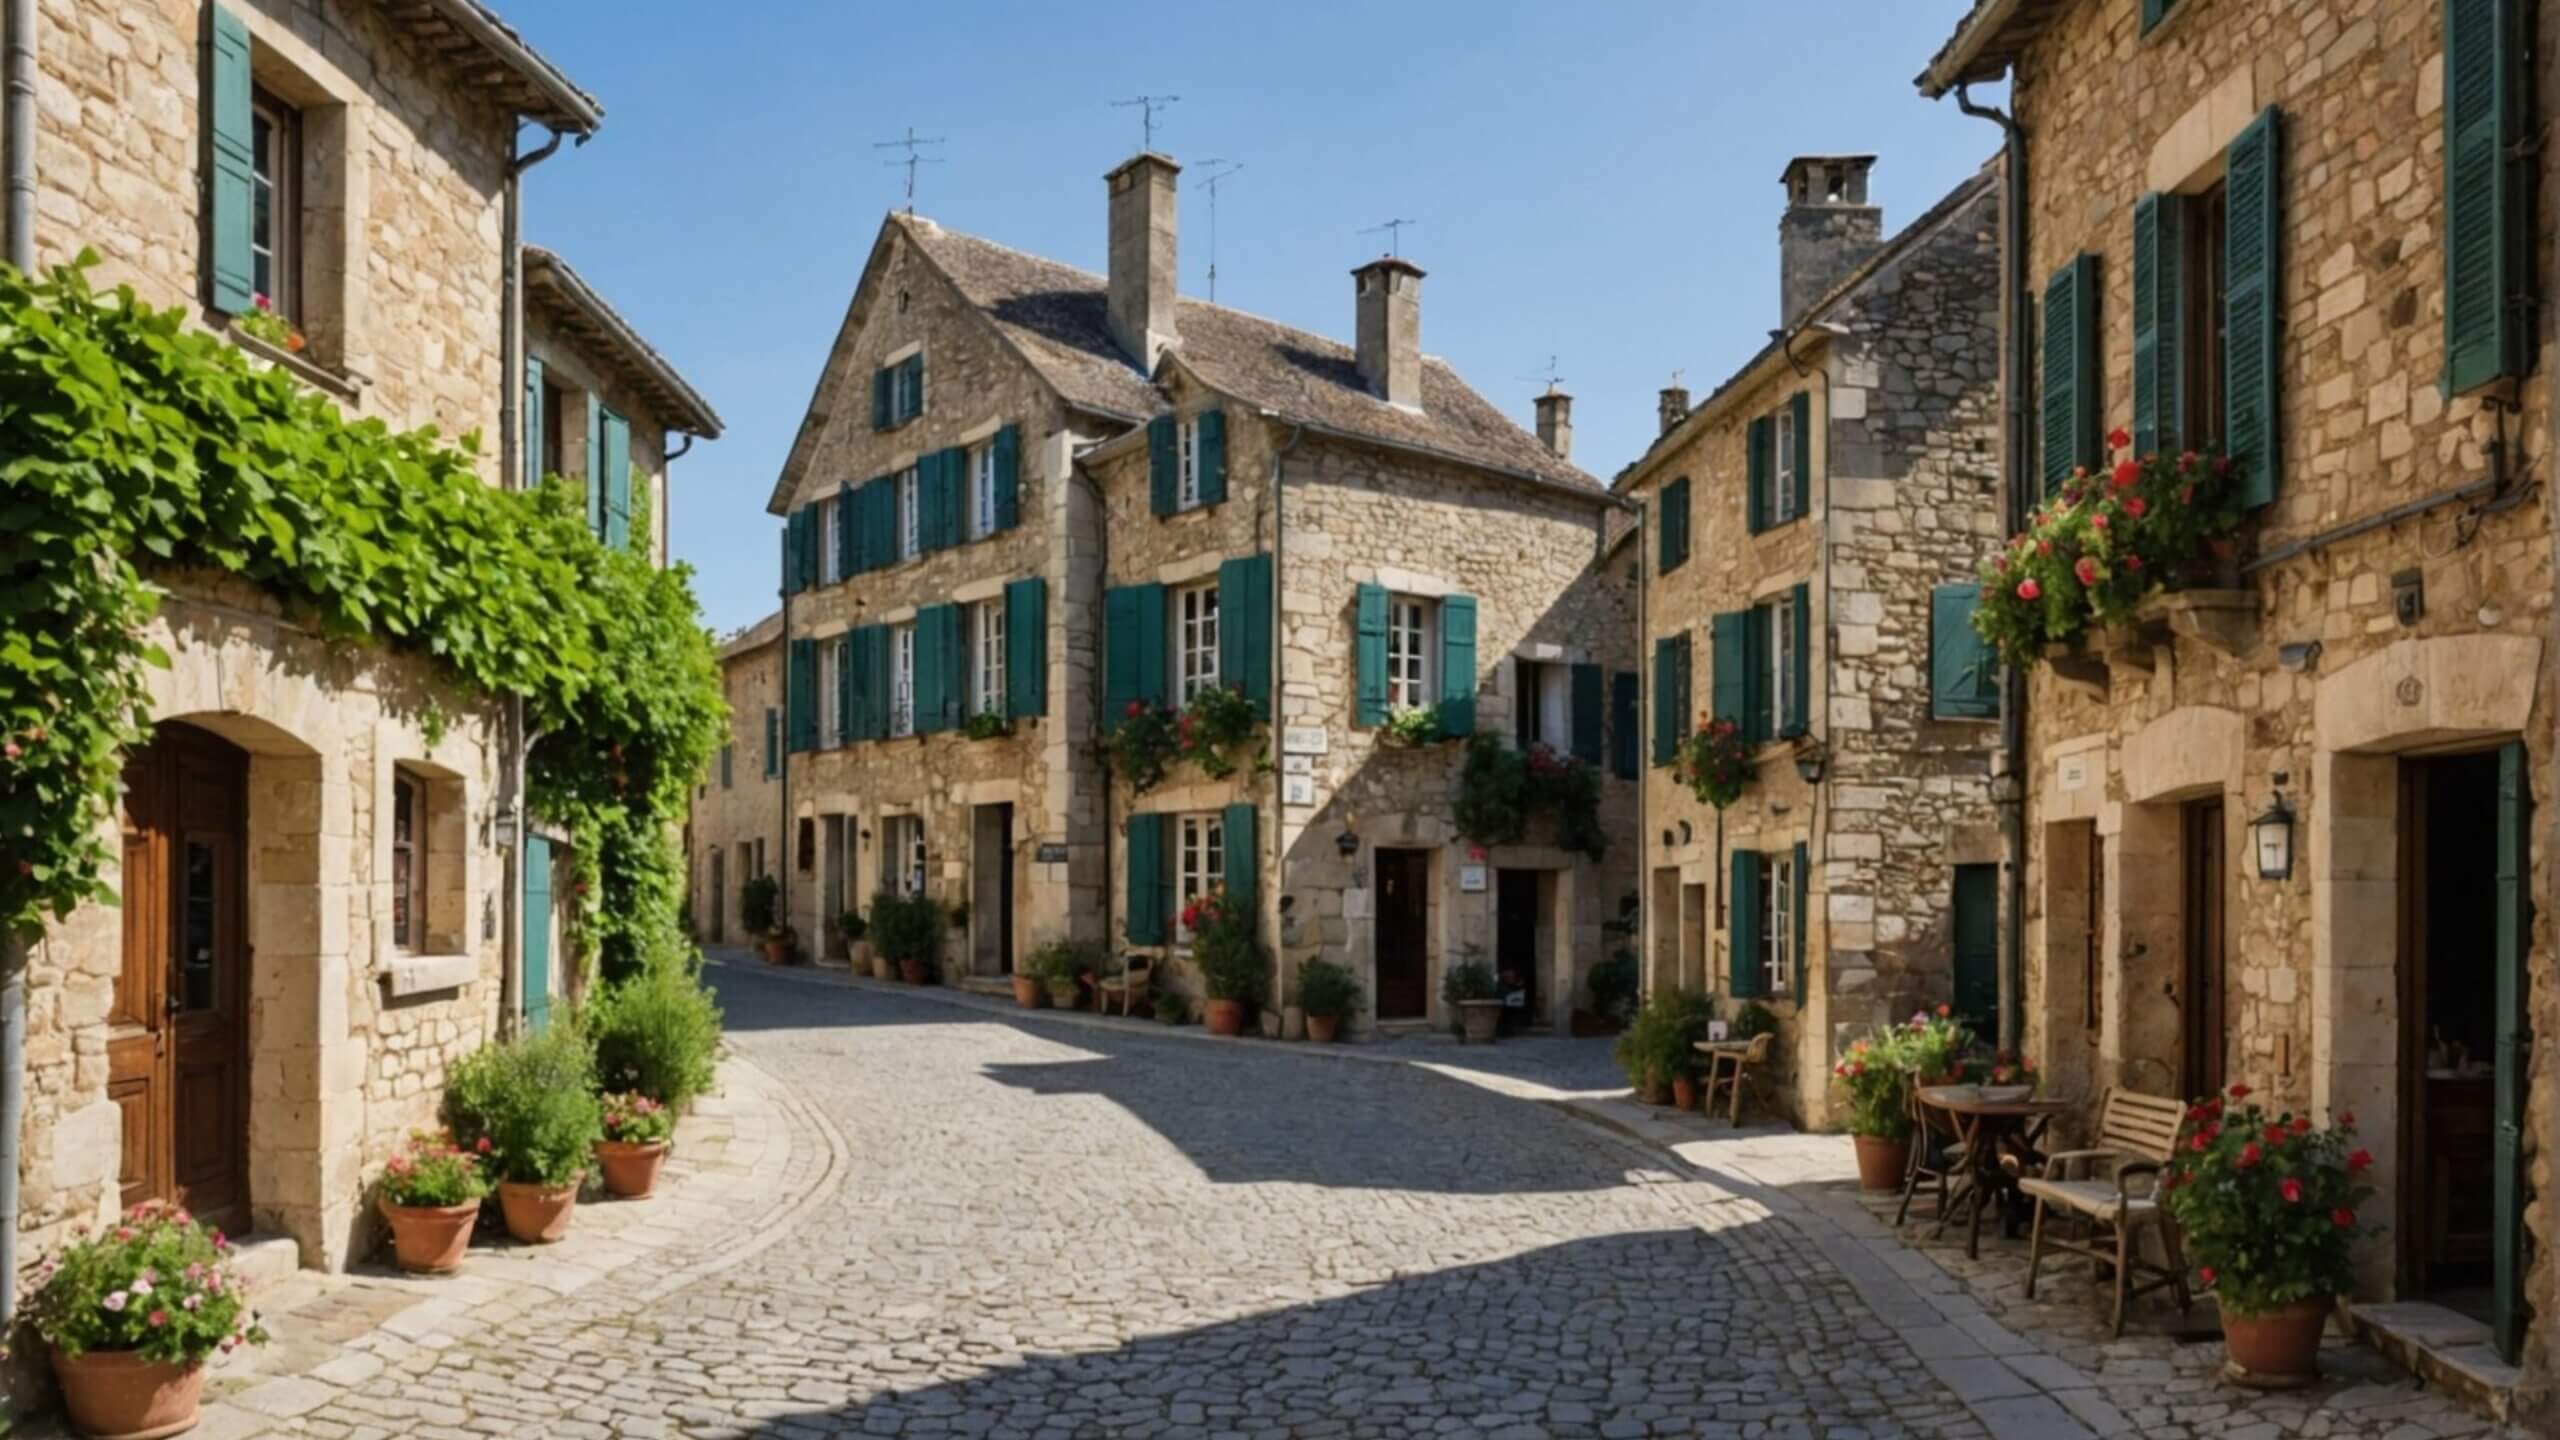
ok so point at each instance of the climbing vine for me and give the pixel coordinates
(135, 449)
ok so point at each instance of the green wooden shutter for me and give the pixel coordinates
(1748, 980)
(1729, 694)
(933, 502)
(1804, 895)
(595, 465)
(941, 678)
(536, 949)
(844, 687)
(1244, 628)
(790, 554)
(2252, 305)
(955, 497)
(1963, 679)
(913, 369)
(881, 380)
(858, 685)
(2486, 259)
(1760, 457)
(728, 765)
(800, 695)
(1684, 702)
(2159, 305)
(878, 683)
(2153, 11)
(1666, 699)
(1008, 460)
(1145, 921)
(1624, 754)
(1213, 456)
(1163, 466)
(1458, 664)
(2071, 426)
(772, 742)
(1369, 657)
(1799, 716)
(1026, 647)
(1589, 703)
(617, 487)
(1673, 528)
(230, 161)
(1132, 649)
(848, 531)
(2513, 947)
(533, 426)
(1243, 855)
(1800, 416)
(880, 523)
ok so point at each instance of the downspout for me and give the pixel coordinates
(1645, 937)
(19, 78)
(2009, 788)
(1279, 720)
(516, 742)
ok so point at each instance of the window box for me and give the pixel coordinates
(406, 976)
(349, 386)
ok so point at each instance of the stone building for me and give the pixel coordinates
(1812, 532)
(982, 467)
(736, 828)
(2295, 832)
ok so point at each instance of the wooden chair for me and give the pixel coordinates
(1732, 1069)
(1937, 1156)
(1129, 987)
(2136, 1135)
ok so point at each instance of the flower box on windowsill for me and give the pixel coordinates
(347, 386)
(2227, 620)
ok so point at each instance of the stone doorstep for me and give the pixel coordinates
(2442, 1347)
(264, 1260)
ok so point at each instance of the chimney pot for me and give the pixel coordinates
(1142, 275)
(1389, 347)
(1675, 406)
(1829, 229)
(1555, 422)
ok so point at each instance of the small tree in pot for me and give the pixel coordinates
(1059, 967)
(534, 1100)
(1659, 1049)
(1472, 990)
(1328, 995)
(758, 904)
(908, 929)
(1231, 962)
(853, 928)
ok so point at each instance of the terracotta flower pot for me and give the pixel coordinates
(1652, 1089)
(430, 1239)
(777, 952)
(1882, 1161)
(537, 1214)
(1225, 1017)
(1026, 991)
(2279, 1347)
(1322, 1028)
(1684, 1092)
(631, 1171)
(1065, 994)
(1483, 1018)
(911, 971)
(118, 1395)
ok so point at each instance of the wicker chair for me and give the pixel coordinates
(1128, 988)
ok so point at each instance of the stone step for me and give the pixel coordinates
(264, 1259)
(2443, 1347)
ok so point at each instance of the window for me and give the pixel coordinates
(1782, 480)
(1778, 923)
(808, 849)
(1410, 654)
(728, 757)
(275, 202)
(830, 666)
(408, 860)
(902, 854)
(555, 409)
(910, 533)
(986, 655)
(772, 742)
(831, 559)
(902, 680)
(1778, 653)
(907, 401)
(760, 870)
(1187, 437)
(1543, 710)
(1195, 640)
(1200, 863)
(2204, 329)
(982, 491)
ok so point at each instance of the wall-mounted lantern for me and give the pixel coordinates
(2272, 833)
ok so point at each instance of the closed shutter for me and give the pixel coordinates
(933, 669)
(861, 685)
(772, 742)
(1008, 462)
(1162, 466)
(844, 687)
(848, 531)
(1624, 752)
(1026, 647)
(1748, 981)
(1666, 698)
(1132, 649)
(2512, 951)
(230, 271)
(800, 695)
(2252, 299)
(536, 947)
(1146, 919)
(1963, 678)
(1244, 628)
(1213, 456)
(617, 488)
(881, 380)
(1458, 665)
(1729, 693)
(595, 466)
(1798, 718)
(913, 369)
(728, 764)
(1238, 838)
(880, 523)
(933, 501)
(1800, 416)
(1977, 947)
(1673, 545)
(791, 554)
(872, 654)
(1760, 457)
(2159, 304)
(2487, 220)
(2071, 429)
(533, 426)
(1369, 656)
(1588, 703)
(1804, 885)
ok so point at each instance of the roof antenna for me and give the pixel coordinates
(1210, 174)
(1395, 235)
(1548, 375)
(1148, 105)
(911, 144)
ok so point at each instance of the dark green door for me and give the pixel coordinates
(537, 932)
(1977, 948)
(2508, 1310)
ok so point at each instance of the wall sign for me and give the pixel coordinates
(1051, 852)
(2071, 772)
(1297, 764)
(1306, 740)
(1471, 879)
(1297, 789)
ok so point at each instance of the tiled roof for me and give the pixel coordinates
(754, 637)
(584, 316)
(1986, 42)
(492, 56)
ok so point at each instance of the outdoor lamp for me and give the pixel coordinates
(2273, 832)
(1809, 762)
(1347, 843)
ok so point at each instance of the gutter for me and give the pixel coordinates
(1953, 66)
(1642, 530)
(484, 29)
(1279, 699)
(18, 75)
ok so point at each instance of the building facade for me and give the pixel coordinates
(736, 828)
(2294, 831)
(1813, 530)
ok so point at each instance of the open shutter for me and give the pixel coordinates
(2071, 429)
(1132, 649)
(1962, 674)
(955, 497)
(1147, 889)
(881, 380)
(1026, 647)
(800, 698)
(1244, 628)
(1684, 702)
(1458, 664)
(882, 685)
(1589, 702)
(2251, 302)
(2159, 304)
(533, 428)
(934, 635)
(1213, 456)
(2487, 336)
(855, 685)
(880, 523)
(1369, 657)
(1673, 528)
(1748, 981)
(933, 501)
(595, 467)
(617, 490)
(1798, 718)
(1624, 761)
(1804, 885)
(790, 554)
(1666, 698)
(1760, 457)
(844, 687)
(772, 742)
(848, 531)
(1008, 460)
(230, 161)
(1764, 721)
(2513, 945)
(1800, 416)
(1162, 496)
(1243, 853)
(1729, 693)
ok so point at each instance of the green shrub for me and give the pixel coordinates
(1754, 1021)
(1613, 983)
(908, 927)
(534, 1100)
(1661, 1046)
(1224, 946)
(1064, 960)
(1327, 990)
(1171, 1008)
(657, 1033)
(758, 900)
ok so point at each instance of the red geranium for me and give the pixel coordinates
(2267, 1204)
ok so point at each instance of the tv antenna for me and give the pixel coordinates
(1210, 173)
(913, 144)
(1147, 105)
(1547, 375)
(1395, 235)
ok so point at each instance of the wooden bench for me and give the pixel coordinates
(2112, 1190)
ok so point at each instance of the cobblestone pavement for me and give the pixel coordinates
(978, 1225)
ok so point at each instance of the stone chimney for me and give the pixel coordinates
(1674, 406)
(1390, 329)
(1142, 273)
(1555, 422)
(1829, 229)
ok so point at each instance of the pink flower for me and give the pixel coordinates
(2205, 1273)
(482, 1145)
(2291, 1189)
(10, 749)
(2044, 547)
(2132, 562)
(2029, 590)
(2087, 570)
(115, 1301)
(159, 1318)
(2099, 520)
(262, 302)
(192, 1302)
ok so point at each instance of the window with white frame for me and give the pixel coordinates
(1199, 861)
(1195, 640)
(1187, 454)
(1782, 481)
(830, 666)
(275, 202)
(1411, 657)
(1542, 712)
(982, 491)
(1778, 922)
(902, 680)
(1778, 644)
(831, 562)
(910, 520)
(902, 854)
(408, 860)
(906, 399)
(986, 658)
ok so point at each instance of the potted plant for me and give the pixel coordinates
(131, 1314)
(1171, 1008)
(1059, 968)
(637, 1131)
(1876, 1074)
(1230, 958)
(656, 1033)
(1327, 993)
(1934, 1045)
(781, 945)
(1472, 989)
(2266, 1205)
(1659, 1048)
(1613, 984)
(430, 1196)
(908, 929)
(760, 905)
(534, 1100)
(1412, 727)
(857, 950)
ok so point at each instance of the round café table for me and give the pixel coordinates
(1991, 1132)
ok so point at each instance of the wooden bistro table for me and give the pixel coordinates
(1992, 1132)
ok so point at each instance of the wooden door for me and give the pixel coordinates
(1404, 934)
(177, 1039)
(1515, 936)
(1977, 948)
(2512, 947)
(2202, 996)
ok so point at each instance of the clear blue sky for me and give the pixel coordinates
(1599, 183)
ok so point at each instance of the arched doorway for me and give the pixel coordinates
(177, 1047)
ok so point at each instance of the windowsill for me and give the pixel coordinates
(346, 386)
(407, 976)
(2168, 23)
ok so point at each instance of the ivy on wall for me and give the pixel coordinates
(134, 448)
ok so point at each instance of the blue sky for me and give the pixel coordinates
(1598, 186)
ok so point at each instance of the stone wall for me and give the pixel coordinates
(565, 364)
(730, 819)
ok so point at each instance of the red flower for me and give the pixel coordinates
(2126, 474)
(2087, 570)
(2239, 1092)
(2301, 1124)
(262, 302)
(2117, 439)
(2205, 1273)
(483, 1145)
(2347, 1118)
(2132, 561)
(2099, 520)
(1859, 1068)
(1136, 709)
(2343, 1216)
(2187, 461)
(2044, 547)
(2029, 590)
(2291, 1189)
(2275, 1136)
(2359, 1162)
(2136, 506)
(2186, 494)
(2201, 1140)
(1945, 1011)
(159, 1318)
(2250, 1155)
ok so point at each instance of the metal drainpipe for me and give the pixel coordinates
(511, 440)
(19, 71)
(1644, 755)
(2010, 792)
(1279, 719)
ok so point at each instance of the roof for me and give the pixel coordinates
(1986, 43)
(564, 295)
(755, 637)
(494, 58)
